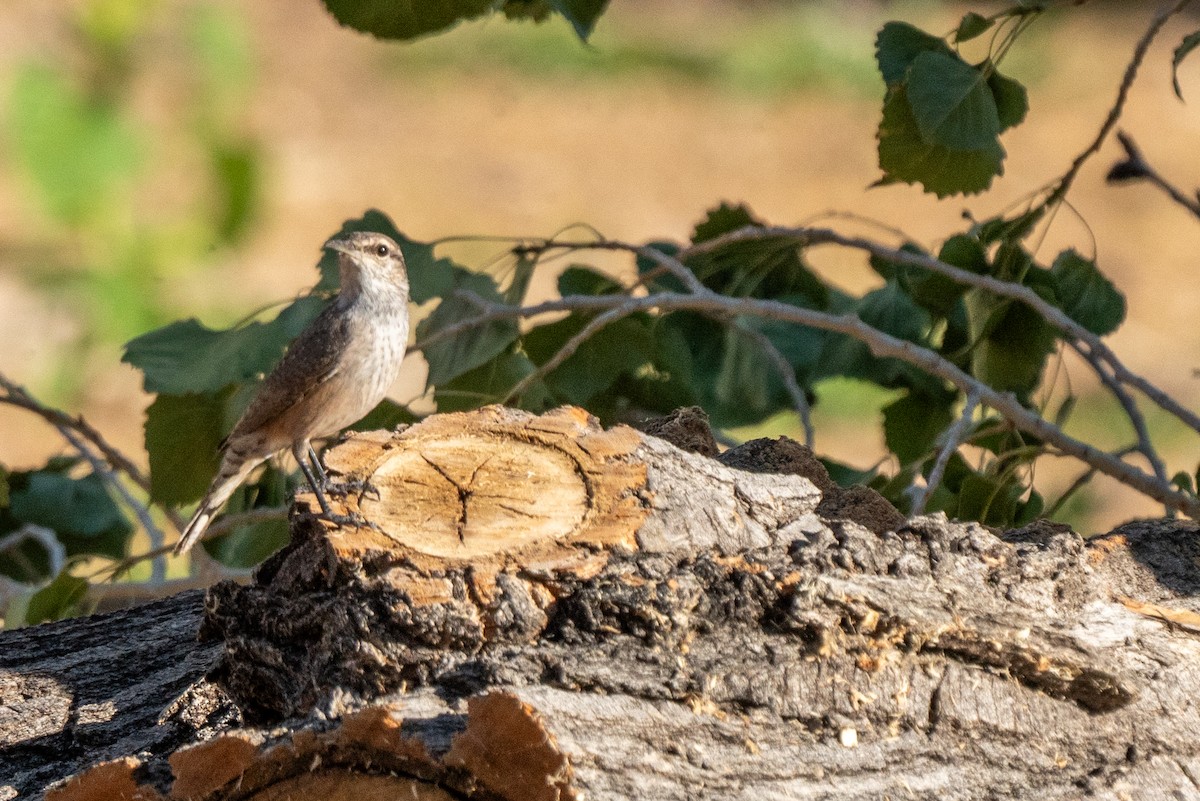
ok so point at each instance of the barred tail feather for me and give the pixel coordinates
(230, 476)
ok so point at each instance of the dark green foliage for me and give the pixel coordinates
(78, 511)
(391, 20)
(183, 433)
(942, 116)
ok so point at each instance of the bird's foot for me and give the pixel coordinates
(348, 520)
(359, 487)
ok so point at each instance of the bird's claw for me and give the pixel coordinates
(360, 487)
(351, 519)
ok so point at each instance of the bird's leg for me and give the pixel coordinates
(327, 513)
(340, 488)
(318, 467)
(298, 452)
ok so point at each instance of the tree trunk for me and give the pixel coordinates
(541, 609)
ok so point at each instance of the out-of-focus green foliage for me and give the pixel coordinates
(86, 158)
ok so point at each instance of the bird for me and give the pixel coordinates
(338, 369)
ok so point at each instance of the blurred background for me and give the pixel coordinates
(162, 159)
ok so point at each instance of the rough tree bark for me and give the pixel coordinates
(547, 610)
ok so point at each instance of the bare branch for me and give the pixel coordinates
(18, 396)
(1114, 114)
(788, 374)
(568, 349)
(1089, 346)
(158, 572)
(951, 438)
(1135, 166)
(881, 345)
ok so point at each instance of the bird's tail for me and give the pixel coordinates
(232, 473)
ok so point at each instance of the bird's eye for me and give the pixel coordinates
(381, 250)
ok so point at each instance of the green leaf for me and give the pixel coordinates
(1086, 295)
(1183, 482)
(972, 25)
(1030, 510)
(455, 355)
(247, 546)
(988, 499)
(766, 267)
(905, 156)
(1012, 342)
(669, 382)
(4, 500)
(490, 382)
(1188, 44)
(664, 282)
(238, 189)
(913, 423)
(387, 19)
(577, 280)
(1001, 229)
(748, 387)
(582, 14)
(1012, 101)
(78, 510)
(621, 347)
(898, 44)
(952, 103)
(386, 416)
(59, 599)
(187, 357)
(891, 310)
(79, 151)
(183, 434)
(722, 220)
(514, 295)
(844, 475)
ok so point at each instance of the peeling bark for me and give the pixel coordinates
(543, 609)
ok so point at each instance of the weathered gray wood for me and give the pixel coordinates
(81, 691)
(696, 631)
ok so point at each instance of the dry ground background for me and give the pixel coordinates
(678, 106)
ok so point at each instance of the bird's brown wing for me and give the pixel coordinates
(310, 361)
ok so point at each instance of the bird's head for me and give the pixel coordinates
(366, 258)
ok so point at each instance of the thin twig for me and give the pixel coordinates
(1080, 482)
(56, 552)
(223, 525)
(1088, 345)
(951, 438)
(674, 266)
(1135, 166)
(1114, 114)
(567, 350)
(18, 396)
(158, 570)
(788, 373)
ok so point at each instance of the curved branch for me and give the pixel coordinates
(1114, 114)
(880, 344)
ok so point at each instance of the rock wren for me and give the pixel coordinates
(335, 372)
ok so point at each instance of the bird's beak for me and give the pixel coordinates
(340, 245)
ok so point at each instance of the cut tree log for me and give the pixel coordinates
(536, 608)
